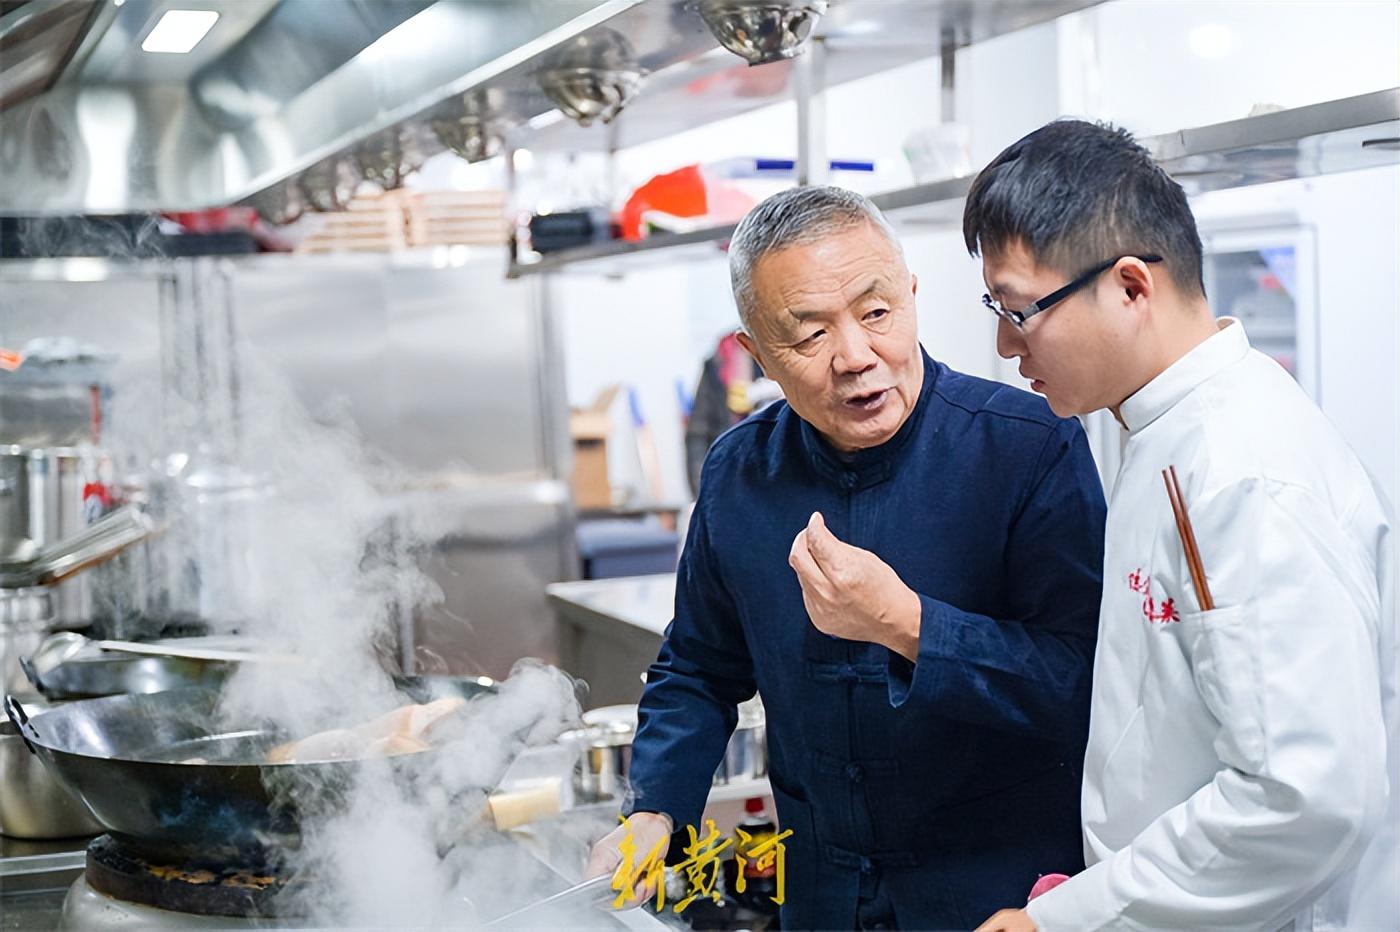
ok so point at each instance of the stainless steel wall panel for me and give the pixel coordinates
(464, 372)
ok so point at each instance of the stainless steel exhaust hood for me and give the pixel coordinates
(283, 102)
(276, 87)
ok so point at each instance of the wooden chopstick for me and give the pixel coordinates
(1188, 538)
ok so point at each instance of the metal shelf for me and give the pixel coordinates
(661, 247)
(1336, 136)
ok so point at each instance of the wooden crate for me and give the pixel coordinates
(404, 219)
(454, 218)
(368, 224)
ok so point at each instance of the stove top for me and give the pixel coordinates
(121, 871)
(86, 910)
(124, 888)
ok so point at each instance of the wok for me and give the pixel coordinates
(163, 774)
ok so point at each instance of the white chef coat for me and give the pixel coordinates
(1241, 771)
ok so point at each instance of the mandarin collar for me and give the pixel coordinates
(1227, 346)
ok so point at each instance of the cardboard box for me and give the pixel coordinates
(591, 429)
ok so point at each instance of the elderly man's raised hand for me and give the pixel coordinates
(851, 593)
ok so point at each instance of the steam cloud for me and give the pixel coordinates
(279, 529)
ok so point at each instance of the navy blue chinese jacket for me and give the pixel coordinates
(955, 778)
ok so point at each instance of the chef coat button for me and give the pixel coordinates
(849, 480)
(856, 772)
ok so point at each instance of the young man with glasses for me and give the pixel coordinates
(1241, 769)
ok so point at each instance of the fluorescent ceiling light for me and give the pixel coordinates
(179, 31)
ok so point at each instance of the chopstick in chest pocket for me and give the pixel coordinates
(1188, 539)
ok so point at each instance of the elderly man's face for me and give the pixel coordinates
(835, 326)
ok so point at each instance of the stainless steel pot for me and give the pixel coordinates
(42, 504)
(604, 748)
(746, 757)
(16, 543)
(32, 803)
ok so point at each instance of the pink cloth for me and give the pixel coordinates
(1045, 884)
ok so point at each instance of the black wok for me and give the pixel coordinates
(163, 774)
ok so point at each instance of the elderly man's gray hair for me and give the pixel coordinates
(795, 217)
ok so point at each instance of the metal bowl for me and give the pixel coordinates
(471, 126)
(389, 157)
(470, 137)
(587, 94)
(32, 803)
(329, 186)
(762, 31)
(593, 76)
(280, 204)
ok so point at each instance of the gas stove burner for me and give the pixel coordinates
(125, 873)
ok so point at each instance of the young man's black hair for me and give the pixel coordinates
(1077, 193)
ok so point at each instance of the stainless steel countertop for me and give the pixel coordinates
(34, 878)
(644, 602)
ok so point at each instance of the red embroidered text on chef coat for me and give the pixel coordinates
(1159, 613)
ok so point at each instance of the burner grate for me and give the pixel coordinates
(123, 872)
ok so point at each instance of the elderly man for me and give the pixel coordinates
(904, 561)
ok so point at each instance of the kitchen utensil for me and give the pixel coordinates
(67, 665)
(330, 185)
(593, 76)
(161, 771)
(762, 31)
(746, 755)
(209, 649)
(99, 542)
(17, 641)
(525, 803)
(167, 773)
(1188, 539)
(32, 803)
(593, 892)
(604, 747)
(47, 495)
(428, 688)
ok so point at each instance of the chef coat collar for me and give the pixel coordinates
(1227, 346)
(872, 465)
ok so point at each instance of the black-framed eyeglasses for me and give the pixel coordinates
(1019, 318)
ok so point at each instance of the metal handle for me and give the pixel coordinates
(17, 715)
(27, 665)
(594, 892)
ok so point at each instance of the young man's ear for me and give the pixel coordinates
(1134, 277)
(747, 343)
